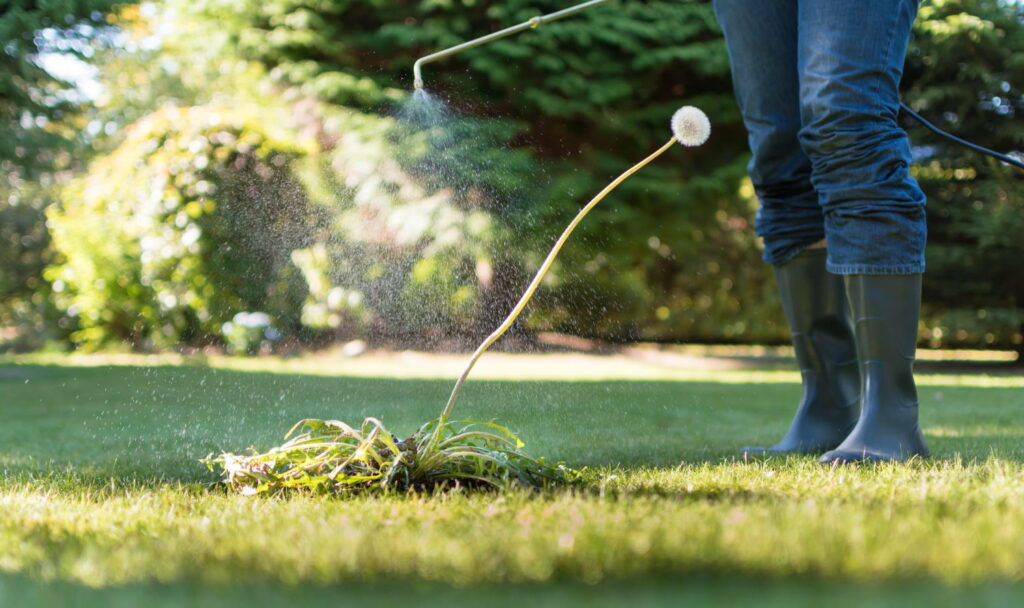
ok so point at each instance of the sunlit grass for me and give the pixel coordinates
(513, 366)
(950, 521)
(102, 484)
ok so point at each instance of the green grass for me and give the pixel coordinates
(103, 499)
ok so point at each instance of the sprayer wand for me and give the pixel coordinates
(534, 22)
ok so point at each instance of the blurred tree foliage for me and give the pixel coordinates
(670, 256)
(28, 320)
(33, 102)
(424, 222)
(965, 72)
(39, 124)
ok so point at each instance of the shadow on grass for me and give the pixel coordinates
(771, 362)
(989, 368)
(685, 590)
(152, 424)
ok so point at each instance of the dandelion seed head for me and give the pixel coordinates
(690, 126)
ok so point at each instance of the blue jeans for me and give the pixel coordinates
(818, 85)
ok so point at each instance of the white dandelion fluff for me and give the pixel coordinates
(690, 126)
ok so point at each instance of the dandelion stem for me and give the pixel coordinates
(543, 270)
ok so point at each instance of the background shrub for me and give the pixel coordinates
(191, 220)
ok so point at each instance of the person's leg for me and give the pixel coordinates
(762, 43)
(850, 63)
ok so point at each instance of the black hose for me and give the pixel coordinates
(963, 142)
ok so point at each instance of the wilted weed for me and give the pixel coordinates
(331, 457)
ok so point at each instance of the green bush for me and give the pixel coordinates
(191, 220)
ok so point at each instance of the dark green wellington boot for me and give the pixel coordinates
(885, 311)
(814, 301)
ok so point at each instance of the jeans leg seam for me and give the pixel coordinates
(888, 52)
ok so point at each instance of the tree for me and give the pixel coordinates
(965, 71)
(38, 130)
(33, 102)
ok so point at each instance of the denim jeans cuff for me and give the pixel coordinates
(874, 268)
(779, 256)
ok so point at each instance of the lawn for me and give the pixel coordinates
(103, 500)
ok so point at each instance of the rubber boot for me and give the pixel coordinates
(814, 301)
(885, 309)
